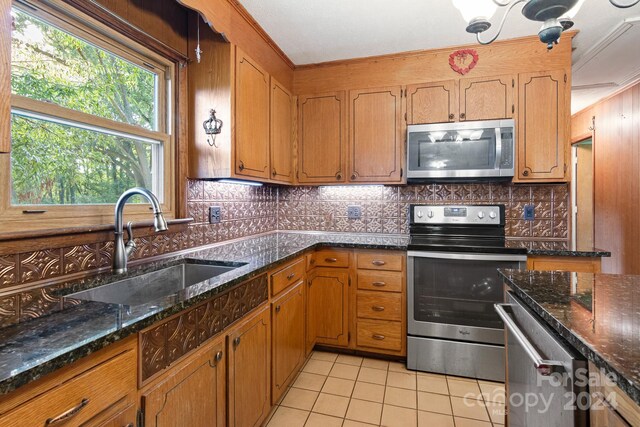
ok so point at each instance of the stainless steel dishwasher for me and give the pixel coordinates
(546, 378)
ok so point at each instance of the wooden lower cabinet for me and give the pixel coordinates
(566, 263)
(124, 418)
(328, 307)
(191, 394)
(610, 406)
(287, 339)
(249, 368)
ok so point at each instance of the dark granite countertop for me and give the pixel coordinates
(566, 252)
(35, 348)
(598, 314)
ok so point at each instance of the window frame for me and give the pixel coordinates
(32, 217)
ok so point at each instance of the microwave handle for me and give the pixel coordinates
(498, 148)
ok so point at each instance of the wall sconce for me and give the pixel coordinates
(212, 127)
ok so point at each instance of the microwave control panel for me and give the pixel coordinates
(463, 215)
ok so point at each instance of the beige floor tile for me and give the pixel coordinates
(348, 359)
(401, 380)
(351, 423)
(496, 412)
(433, 384)
(398, 367)
(310, 381)
(469, 408)
(330, 404)
(324, 355)
(347, 372)
(375, 376)
(300, 399)
(393, 416)
(430, 419)
(368, 391)
(364, 411)
(338, 386)
(433, 402)
(466, 422)
(319, 420)
(375, 363)
(462, 388)
(288, 417)
(400, 397)
(319, 367)
(492, 392)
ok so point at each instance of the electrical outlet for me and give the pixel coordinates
(529, 213)
(214, 214)
(354, 212)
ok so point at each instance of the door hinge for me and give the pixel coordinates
(401, 172)
(140, 418)
(513, 108)
(349, 281)
(565, 77)
(348, 336)
(565, 168)
(513, 82)
(405, 117)
(592, 128)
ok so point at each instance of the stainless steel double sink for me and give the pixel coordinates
(148, 287)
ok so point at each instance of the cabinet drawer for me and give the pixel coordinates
(379, 305)
(329, 258)
(379, 334)
(81, 398)
(380, 281)
(289, 275)
(380, 261)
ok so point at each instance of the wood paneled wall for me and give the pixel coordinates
(616, 148)
(503, 57)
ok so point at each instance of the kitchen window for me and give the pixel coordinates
(90, 118)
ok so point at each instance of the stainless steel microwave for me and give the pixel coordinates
(461, 151)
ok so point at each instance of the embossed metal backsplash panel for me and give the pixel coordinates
(163, 344)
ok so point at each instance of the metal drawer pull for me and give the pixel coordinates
(378, 337)
(543, 366)
(378, 262)
(379, 284)
(218, 356)
(377, 308)
(290, 276)
(331, 259)
(67, 414)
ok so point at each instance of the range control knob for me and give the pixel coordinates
(480, 214)
(419, 214)
(492, 215)
(430, 214)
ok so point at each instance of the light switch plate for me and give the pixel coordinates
(354, 212)
(529, 212)
(214, 214)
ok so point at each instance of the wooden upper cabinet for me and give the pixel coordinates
(197, 382)
(249, 348)
(376, 137)
(281, 133)
(251, 118)
(487, 98)
(582, 125)
(328, 306)
(542, 126)
(322, 123)
(434, 102)
(5, 76)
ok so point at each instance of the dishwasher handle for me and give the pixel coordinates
(543, 366)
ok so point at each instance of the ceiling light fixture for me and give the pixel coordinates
(556, 15)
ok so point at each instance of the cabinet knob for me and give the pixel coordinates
(339, 176)
(378, 337)
(241, 165)
(277, 309)
(273, 172)
(236, 341)
(378, 262)
(290, 276)
(353, 177)
(452, 117)
(379, 284)
(377, 308)
(218, 356)
(331, 260)
(525, 173)
(463, 116)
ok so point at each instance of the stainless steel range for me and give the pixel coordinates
(452, 286)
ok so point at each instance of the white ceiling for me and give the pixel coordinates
(315, 31)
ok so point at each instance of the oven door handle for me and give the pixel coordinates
(543, 366)
(467, 256)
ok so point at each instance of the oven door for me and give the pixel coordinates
(451, 295)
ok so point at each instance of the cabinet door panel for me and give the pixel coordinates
(251, 118)
(434, 102)
(487, 98)
(288, 341)
(193, 394)
(542, 126)
(250, 370)
(281, 133)
(328, 307)
(375, 135)
(322, 135)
